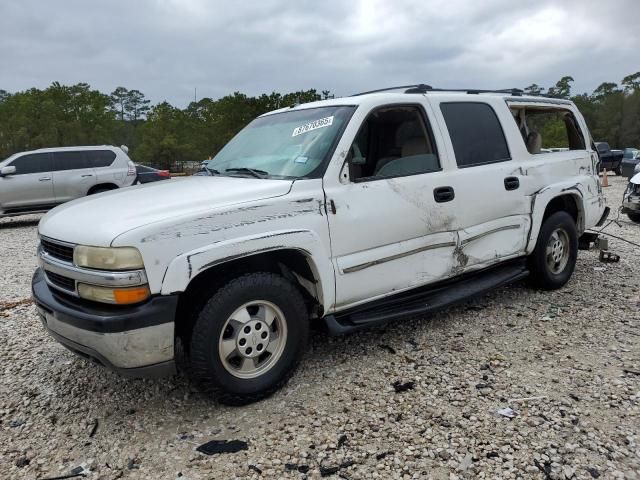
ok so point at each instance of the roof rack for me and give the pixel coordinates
(423, 88)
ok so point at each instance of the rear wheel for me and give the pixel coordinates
(248, 338)
(618, 170)
(554, 258)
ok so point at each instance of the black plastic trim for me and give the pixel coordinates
(427, 299)
(104, 319)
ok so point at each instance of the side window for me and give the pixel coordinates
(476, 133)
(33, 163)
(101, 158)
(550, 129)
(393, 142)
(73, 160)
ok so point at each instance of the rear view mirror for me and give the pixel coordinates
(9, 170)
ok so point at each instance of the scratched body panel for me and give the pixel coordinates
(176, 250)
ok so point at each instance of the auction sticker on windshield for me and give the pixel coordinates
(320, 123)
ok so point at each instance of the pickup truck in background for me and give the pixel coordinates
(609, 159)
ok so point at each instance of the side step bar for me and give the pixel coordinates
(426, 300)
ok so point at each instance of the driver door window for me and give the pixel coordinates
(393, 142)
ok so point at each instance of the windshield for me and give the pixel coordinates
(630, 153)
(291, 144)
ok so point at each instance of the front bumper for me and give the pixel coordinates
(134, 341)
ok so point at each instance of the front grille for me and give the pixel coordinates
(62, 281)
(61, 252)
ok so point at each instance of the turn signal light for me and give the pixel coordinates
(117, 296)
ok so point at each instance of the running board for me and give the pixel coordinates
(427, 299)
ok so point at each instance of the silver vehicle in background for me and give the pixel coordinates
(36, 181)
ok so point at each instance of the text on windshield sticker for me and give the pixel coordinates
(320, 123)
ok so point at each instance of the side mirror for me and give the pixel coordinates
(344, 173)
(9, 170)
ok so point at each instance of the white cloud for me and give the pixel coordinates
(165, 48)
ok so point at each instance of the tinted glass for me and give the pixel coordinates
(101, 158)
(70, 160)
(143, 169)
(476, 133)
(33, 163)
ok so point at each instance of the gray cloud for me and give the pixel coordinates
(165, 48)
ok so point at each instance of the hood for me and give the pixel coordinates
(635, 179)
(98, 219)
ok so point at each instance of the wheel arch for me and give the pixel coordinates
(102, 186)
(294, 264)
(568, 199)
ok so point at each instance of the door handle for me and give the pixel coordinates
(511, 183)
(87, 175)
(443, 194)
(44, 179)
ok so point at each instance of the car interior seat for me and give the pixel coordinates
(534, 142)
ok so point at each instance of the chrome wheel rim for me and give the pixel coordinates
(252, 339)
(557, 252)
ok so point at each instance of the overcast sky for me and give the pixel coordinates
(166, 48)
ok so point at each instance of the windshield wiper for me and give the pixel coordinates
(212, 171)
(251, 171)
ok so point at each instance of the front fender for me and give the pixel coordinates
(187, 266)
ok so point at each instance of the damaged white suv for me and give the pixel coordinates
(351, 212)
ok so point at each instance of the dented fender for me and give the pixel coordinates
(185, 267)
(587, 195)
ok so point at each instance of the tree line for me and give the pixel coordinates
(162, 134)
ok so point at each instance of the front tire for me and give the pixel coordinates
(554, 258)
(634, 217)
(248, 338)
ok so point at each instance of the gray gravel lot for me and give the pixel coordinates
(576, 351)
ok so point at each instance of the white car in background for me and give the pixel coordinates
(38, 180)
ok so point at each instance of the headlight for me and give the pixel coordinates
(118, 296)
(109, 258)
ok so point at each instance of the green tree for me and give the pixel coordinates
(631, 83)
(119, 101)
(136, 105)
(534, 89)
(562, 88)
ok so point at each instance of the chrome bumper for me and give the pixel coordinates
(135, 341)
(121, 350)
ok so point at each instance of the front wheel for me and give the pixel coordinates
(634, 217)
(248, 338)
(554, 258)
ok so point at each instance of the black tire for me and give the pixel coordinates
(99, 190)
(634, 217)
(618, 170)
(542, 275)
(205, 364)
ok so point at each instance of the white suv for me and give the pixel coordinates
(351, 212)
(36, 181)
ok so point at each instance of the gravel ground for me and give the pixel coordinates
(575, 353)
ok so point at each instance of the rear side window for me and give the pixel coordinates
(33, 163)
(476, 133)
(550, 129)
(101, 158)
(70, 160)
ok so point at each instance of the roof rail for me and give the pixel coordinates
(423, 88)
(392, 88)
